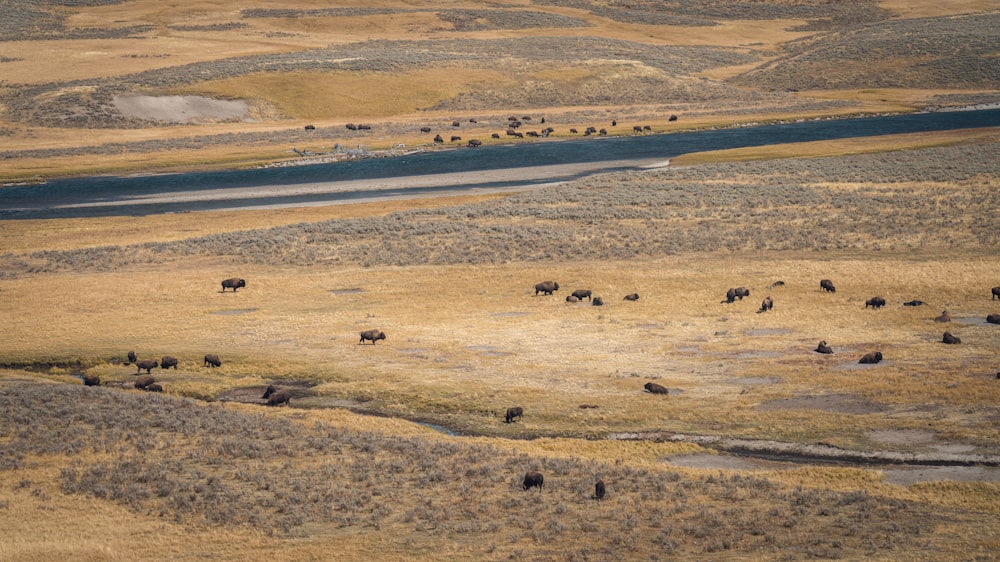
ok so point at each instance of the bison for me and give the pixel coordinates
(438, 139)
(672, 118)
(871, 358)
(653, 388)
(823, 348)
(546, 287)
(993, 318)
(827, 285)
(475, 143)
(514, 412)
(131, 357)
(914, 302)
(148, 364)
(155, 387)
(632, 297)
(599, 490)
(167, 362)
(950, 339)
(372, 336)
(571, 298)
(996, 293)
(455, 138)
(425, 129)
(598, 301)
(944, 317)
(233, 283)
(533, 479)
(736, 293)
(142, 382)
(875, 302)
(280, 397)
(582, 294)
(271, 389)
(777, 284)
(91, 380)
(766, 304)
(495, 136)
(212, 360)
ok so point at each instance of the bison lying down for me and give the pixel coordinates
(632, 297)
(654, 388)
(993, 318)
(823, 348)
(871, 358)
(144, 381)
(279, 397)
(950, 339)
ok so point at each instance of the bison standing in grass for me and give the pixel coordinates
(372, 336)
(653, 388)
(512, 413)
(533, 479)
(132, 358)
(147, 364)
(546, 287)
(599, 490)
(142, 382)
(212, 360)
(827, 285)
(167, 362)
(875, 302)
(766, 304)
(582, 294)
(280, 397)
(233, 283)
(996, 293)
(736, 293)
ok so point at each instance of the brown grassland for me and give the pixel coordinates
(399, 450)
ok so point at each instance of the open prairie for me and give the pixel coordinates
(760, 448)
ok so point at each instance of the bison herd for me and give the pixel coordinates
(513, 123)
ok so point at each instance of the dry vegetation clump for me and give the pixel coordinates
(461, 20)
(45, 20)
(208, 465)
(947, 52)
(936, 198)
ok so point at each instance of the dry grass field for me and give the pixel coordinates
(400, 450)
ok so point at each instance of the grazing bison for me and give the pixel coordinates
(514, 412)
(310, 127)
(574, 131)
(996, 293)
(653, 388)
(212, 360)
(950, 339)
(351, 126)
(142, 382)
(131, 357)
(914, 302)
(495, 136)
(91, 380)
(871, 358)
(571, 298)
(155, 387)
(766, 304)
(533, 479)
(279, 398)
(371, 335)
(875, 302)
(271, 389)
(993, 318)
(599, 490)
(945, 317)
(233, 283)
(546, 287)
(455, 138)
(632, 297)
(823, 348)
(425, 129)
(598, 301)
(475, 143)
(672, 118)
(148, 364)
(167, 362)
(456, 124)
(827, 285)
(582, 294)
(637, 129)
(438, 139)
(736, 293)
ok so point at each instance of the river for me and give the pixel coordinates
(489, 168)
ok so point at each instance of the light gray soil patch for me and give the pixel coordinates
(971, 321)
(836, 403)
(902, 436)
(727, 462)
(234, 312)
(855, 366)
(757, 355)
(181, 109)
(913, 475)
(755, 380)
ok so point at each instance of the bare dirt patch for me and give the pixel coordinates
(181, 109)
(837, 403)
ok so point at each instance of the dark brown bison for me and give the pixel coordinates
(546, 287)
(310, 127)
(533, 479)
(736, 293)
(495, 136)
(672, 118)
(599, 490)
(653, 388)
(598, 301)
(582, 294)
(167, 362)
(993, 318)
(827, 285)
(571, 298)
(438, 139)
(91, 380)
(131, 357)
(212, 360)
(950, 339)
(574, 131)
(142, 382)
(155, 387)
(823, 348)
(777, 284)
(372, 336)
(280, 397)
(914, 302)
(364, 127)
(871, 358)
(271, 389)
(456, 124)
(148, 364)
(637, 129)
(514, 412)
(455, 138)
(475, 143)
(632, 297)
(766, 304)
(996, 293)
(351, 126)
(425, 129)
(944, 317)
(233, 283)
(875, 302)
